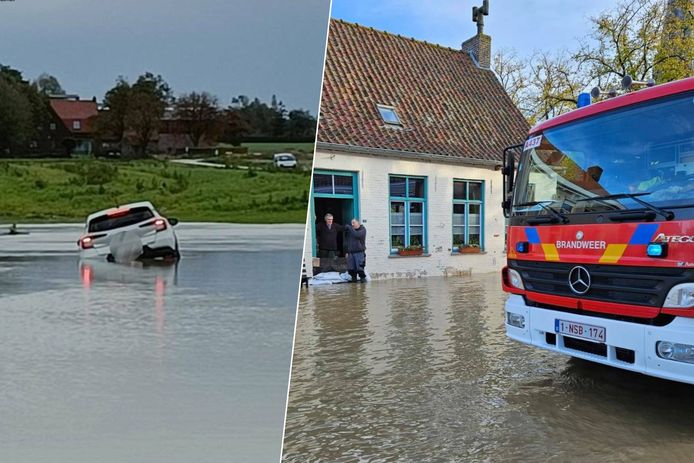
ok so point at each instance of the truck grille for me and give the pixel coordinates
(646, 286)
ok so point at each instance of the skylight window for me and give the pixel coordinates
(389, 115)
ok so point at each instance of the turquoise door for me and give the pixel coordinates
(336, 193)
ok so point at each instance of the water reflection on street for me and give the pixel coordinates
(420, 370)
(160, 363)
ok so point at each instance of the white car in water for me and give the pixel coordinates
(287, 160)
(135, 229)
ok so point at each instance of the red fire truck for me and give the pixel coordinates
(601, 233)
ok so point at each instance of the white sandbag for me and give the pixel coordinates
(325, 278)
(126, 246)
(332, 278)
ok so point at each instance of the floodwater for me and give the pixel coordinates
(103, 362)
(421, 370)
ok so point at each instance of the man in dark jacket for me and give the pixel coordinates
(356, 248)
(326, 237)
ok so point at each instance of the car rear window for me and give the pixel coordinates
(110, 222)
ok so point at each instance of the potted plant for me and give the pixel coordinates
(469, 249)
(411, 251)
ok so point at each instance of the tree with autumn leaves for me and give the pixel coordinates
(133, 114)
(645, 39)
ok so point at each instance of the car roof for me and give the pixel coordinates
(284, 154)
(111, 210)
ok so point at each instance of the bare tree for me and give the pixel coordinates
(544, 86)
(632, 40)
(640, 38)
(512, 73)
(556, 83)
(199, 112)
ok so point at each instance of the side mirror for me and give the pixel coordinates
(173, 222)
(509, 172)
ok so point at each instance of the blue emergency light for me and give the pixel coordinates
(583, 100)
(656, 250)
(522, 247)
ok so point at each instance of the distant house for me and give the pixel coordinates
(171, 137)
(72, 125)
(410, 140)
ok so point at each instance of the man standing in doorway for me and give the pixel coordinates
(356, 250)
(326, 236)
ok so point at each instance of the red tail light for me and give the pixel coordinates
(158, 224)
(86, 242)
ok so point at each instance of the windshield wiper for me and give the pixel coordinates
(668, 215)
(556, 215)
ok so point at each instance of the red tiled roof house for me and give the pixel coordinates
(73, 124)
(410, 140)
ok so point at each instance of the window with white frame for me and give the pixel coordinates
(76, 125)
(468, 211)
(407, 212)
(389, 115)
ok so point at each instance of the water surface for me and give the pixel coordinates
(420, 370)
(112, 363)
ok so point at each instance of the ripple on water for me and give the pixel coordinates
(420, 370)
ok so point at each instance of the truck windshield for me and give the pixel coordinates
(645, 150)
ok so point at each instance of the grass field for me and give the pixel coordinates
(304, 150)
(260, 155)
(67, 191)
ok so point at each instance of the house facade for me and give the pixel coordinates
(410, 141)
(72, 125)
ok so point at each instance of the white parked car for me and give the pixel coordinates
(137, 226)
(284, 160)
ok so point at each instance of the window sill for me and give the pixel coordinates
(398, 256)
(468, 253)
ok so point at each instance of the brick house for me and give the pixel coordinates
(410, 140)
(72, 125)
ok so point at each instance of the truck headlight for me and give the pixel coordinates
(515, 319)
(680, 297)
(675, 351)
(515, 279)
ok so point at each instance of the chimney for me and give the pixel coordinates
(479, 47)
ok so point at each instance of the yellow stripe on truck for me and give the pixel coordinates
(551, 253)
(613, 253)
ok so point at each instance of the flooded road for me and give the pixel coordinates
(111, 363)
(420, 370)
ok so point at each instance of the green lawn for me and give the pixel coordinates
(260, 155)
(303, 151)
(60, 191)
(268, 149)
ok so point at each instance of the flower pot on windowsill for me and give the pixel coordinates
(410, 252)
(469, 250)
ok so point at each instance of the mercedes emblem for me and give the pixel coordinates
(579, 280)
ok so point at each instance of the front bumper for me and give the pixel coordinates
(620, 336)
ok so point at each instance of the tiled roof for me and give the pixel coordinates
(447, 105)
(72, 110)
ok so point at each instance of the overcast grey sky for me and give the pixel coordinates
(226, 47)
(525, 25)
